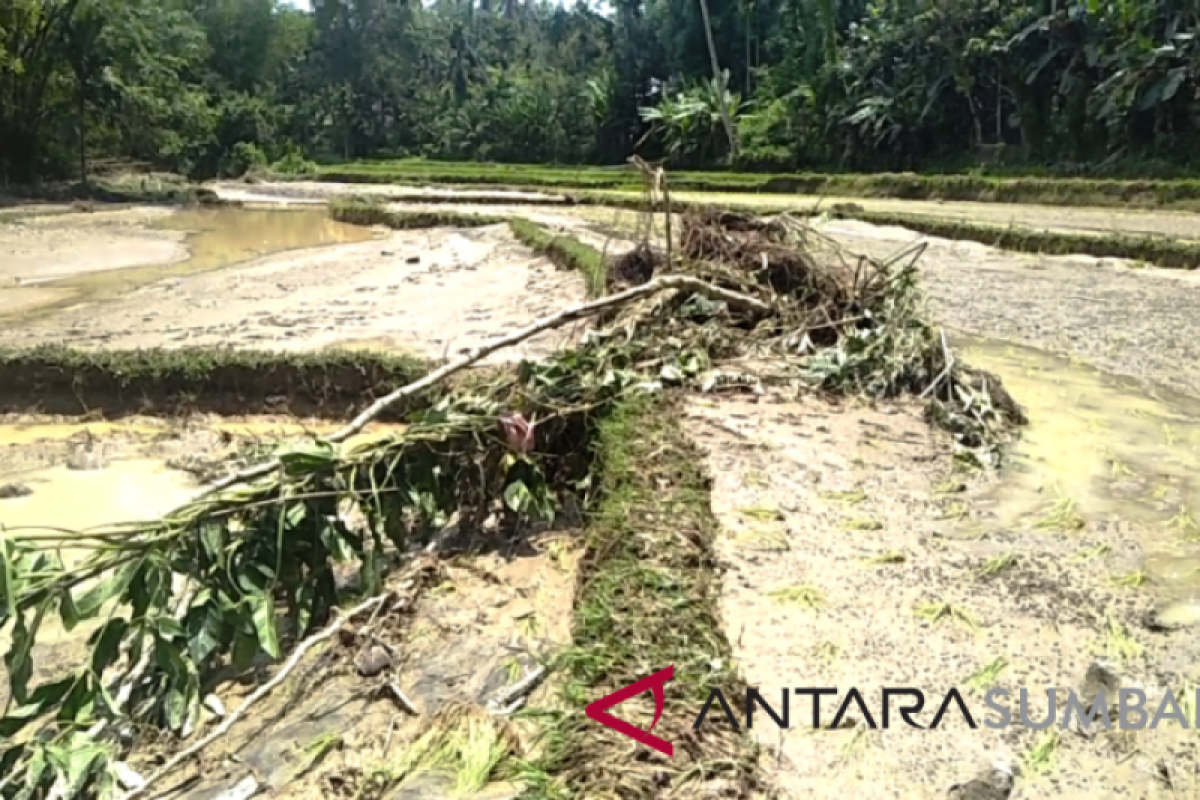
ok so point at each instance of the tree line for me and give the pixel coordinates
(216, 87)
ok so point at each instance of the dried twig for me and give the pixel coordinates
(567, 315)
(258, 694)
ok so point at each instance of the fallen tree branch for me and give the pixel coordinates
(258, 694)
(571, 314)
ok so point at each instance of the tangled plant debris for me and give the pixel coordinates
(247, 570)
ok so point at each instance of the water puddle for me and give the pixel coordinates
(77, 499)
(1099, 448)
(217, 238)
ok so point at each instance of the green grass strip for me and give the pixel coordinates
(647, 599)
(53, 379)
(565, 251)
(358, 211)
(1160, 251)
(1176, 193)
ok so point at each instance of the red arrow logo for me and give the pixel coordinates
(599, 710)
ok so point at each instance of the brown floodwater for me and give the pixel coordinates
(131, 486)
(216, 239)
(1099, 448)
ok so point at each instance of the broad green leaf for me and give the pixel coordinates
(75, 761)
(19, 660)
(106, 644)
(35, 769)
(79, 706)
(295, 515)
(517, 497)
(176, 706)
(68, 611)
(213, 538)
(8, 586)
(168, 627)
(245, 647)
(40, 701)
(205, 625)
(90, 602)
(263, 614)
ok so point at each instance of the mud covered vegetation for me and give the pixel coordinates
(248, 571)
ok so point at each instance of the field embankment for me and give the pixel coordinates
(1163, 238)
(1178, 194)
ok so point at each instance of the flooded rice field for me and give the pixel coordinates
(49, 262)
(295, 281)
(1084, 548)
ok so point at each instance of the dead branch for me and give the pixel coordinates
(298, 654)
(735, 300)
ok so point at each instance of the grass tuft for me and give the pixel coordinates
(565, 251)
(53, 379)
(1040, 757)
(799, 595)
(994, 566)
(938, 612)
(985, 677)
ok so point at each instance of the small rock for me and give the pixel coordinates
(86, 460)
(995, 783)
(242, 790)
(214, 704)
(1100, 679)
(386, 253)
(10, 490)
(1165, 618)
(413, 260)
(373, 660)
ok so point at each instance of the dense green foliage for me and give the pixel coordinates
(221, 86)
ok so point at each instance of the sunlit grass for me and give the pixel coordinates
(985, 677)
(938, 612)
(994, 566)
(807, 596)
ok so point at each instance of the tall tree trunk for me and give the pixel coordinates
(83, 176)
(719, 78)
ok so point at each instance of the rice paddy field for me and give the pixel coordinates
(366, 485)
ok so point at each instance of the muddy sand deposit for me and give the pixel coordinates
(856, 552)
(432, 292)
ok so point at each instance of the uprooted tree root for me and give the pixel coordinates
(247, 568)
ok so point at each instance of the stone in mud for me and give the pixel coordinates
(995, 783)
(1100, 678)
(1174, 616)
(373, 660)
(11, 490)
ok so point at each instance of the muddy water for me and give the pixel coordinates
(216, 238)
(75, 500)
(1101, 450)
